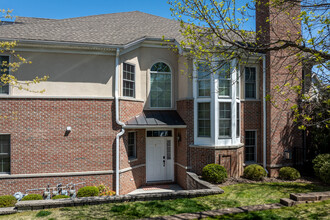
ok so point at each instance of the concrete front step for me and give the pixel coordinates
(313, 196)
(8, 210)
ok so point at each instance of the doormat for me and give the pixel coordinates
(155, 187)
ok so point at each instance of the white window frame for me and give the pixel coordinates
(134, 147)
(171, 73)
(198, 120)
(134, 90)
(255, 147)
(9, 86)
(3, 134)
(230, 80)
(214, 140)
(199, 80)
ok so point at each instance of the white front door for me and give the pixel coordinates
(159, 159)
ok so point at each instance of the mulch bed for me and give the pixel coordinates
(232, 180)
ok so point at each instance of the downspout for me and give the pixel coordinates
(117, 121)
(264, 112)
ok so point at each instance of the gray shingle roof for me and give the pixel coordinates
(111, 29)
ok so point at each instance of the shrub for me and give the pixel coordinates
(214, 173)
(88, 191)
(319, 161)
(43, 213)
(325, 173)
(7, 201)
(60, 197)
(254, 172)
(32, 197)
(289, 173)
(105, 190)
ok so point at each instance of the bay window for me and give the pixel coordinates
(217, 113)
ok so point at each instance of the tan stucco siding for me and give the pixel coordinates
(69, 74)
(143, 58)
(185, 74)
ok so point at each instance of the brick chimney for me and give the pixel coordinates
(274, 23)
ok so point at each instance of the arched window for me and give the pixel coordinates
(160, 86)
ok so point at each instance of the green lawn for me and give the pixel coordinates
(319, 210)
(235, 195)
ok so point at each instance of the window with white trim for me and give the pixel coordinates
(224, 120)
(128, 80)
(250, 83)
(250, 146)
(160, 86)
(204, 83)
(131, 146)
(204, 119)
(224, 77)
(4, 153)
(4, 69)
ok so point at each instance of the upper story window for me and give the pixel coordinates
(250, 83)
(224, 75)
(4, 60)
(204, 119)
(160, 86)
(204, 82)
(131, 146)
(128, 80)
(4, 153)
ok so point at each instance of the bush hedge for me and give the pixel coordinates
(289, 173)
(7, 201)
(325, 173)
(214, 173)
(32, 197)
(319, 161)
(88, 191)
(254, 172)
(60, 197)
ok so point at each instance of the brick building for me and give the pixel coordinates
(112, 73)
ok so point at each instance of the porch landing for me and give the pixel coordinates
(157, 189)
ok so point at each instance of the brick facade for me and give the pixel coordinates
(282, 134)
(39, 146)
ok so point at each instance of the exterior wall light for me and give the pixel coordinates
(288, 155)
(67, 131)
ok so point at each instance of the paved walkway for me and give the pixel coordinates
(156, 189)
(214, 213)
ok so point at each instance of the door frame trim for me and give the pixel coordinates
(172, 152)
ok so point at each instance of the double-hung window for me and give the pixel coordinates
(250, 146)
(224, 79)
(131, 146)
(128, 80)
(204, 119)
(4, 153)
(237, 119)
(250, 83)
(4, 69)
(225, 120)
(204, 82)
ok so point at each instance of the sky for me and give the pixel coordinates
(59, 9)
